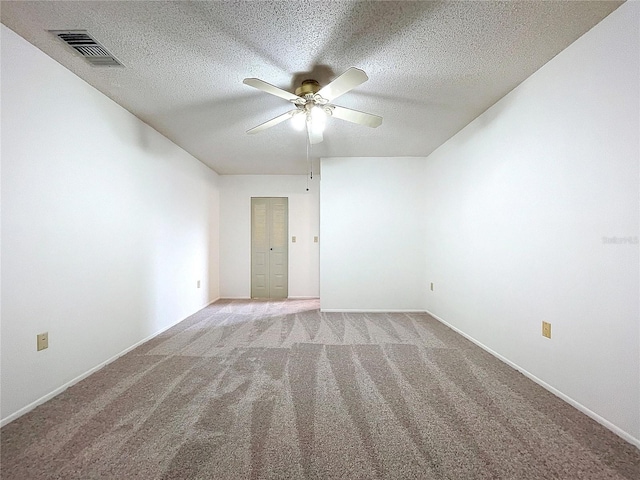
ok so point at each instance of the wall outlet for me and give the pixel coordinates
(546, 329)
(431, 286)
(293, 239)
(315, 239)
(198, 284)
(43, 341)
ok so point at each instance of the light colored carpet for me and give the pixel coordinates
(278, 390)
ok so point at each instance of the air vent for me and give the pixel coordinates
(88, 47)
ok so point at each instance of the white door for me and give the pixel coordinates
(269, 247)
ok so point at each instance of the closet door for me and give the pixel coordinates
(269, 247)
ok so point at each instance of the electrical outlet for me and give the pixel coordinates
(43, 341)
(315, 239)
(432, 286)
(293, 239)
(198, 284)
(546, 329)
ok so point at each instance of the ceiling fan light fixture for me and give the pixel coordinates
(298, 120)
(318, 118)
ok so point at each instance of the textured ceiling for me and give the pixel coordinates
(432, 66)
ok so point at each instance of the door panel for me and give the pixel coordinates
(269, 247)
(259, 248)
(278, 265)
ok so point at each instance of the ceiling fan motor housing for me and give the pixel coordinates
(308, 87)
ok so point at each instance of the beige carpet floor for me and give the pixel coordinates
(278, 390)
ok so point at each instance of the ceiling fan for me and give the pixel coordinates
(313, 104)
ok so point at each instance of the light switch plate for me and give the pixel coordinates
(43, 341)
(546, 329)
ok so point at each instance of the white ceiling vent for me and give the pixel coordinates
(87, 47)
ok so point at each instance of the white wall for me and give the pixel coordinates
(235, 231)
(517, 206)
(106, 228)
(371, 219)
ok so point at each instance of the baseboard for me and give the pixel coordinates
(249, 298)
(59, 390)
(602, 421)
(204, 306)
(369, 310)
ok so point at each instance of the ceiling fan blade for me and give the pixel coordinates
(355, 116)
(272, 122)
(267, 87)
(315, 136)
(345, 82)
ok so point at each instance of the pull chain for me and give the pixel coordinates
(308, 158)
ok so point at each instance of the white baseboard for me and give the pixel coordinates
(204, 306)
(369, 310)
(249, 298)
(59, 390)
(602, 421)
